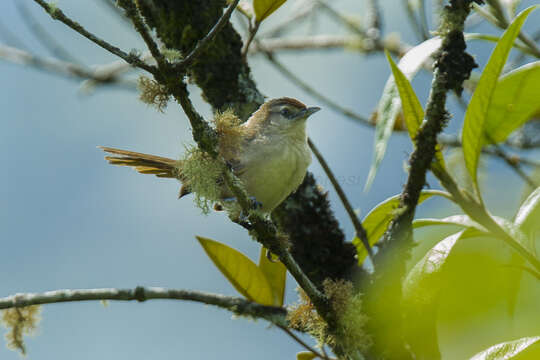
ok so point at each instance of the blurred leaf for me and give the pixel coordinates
(305, 355)
(459, 220)
(242, 273)
(515, 100)
(527, 220)
(276, 274)
(477, 111)
(493, 38)
(421, 292)
(264, 8)
(528, 215)
(389, 106)
(507, 350)
(377, 220)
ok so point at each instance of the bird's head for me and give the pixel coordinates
(284, 116)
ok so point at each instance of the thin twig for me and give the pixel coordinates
(514, 165)
(328, 42)
(69, 70)
(423, 19)
(360, 231)
(344, 20)
(131, 58)
(43, 35)
(240, 306)
(454, 141)
(294, 20)
(308, 89)
(204, 42)
(252, 32)
(133, 14)
(302, 343)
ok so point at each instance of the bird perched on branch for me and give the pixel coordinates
(269, 153)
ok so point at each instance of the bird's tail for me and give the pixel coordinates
(144, 163)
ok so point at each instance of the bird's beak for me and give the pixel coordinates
(307, 112)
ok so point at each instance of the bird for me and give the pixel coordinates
(269, 153)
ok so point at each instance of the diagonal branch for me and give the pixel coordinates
(59, 15)
(239, 306)
(204, 42)
(360, 231)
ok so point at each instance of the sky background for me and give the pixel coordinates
(70, 220)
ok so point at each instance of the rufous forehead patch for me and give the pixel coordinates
(286, 101)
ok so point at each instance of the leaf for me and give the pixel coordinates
(264, 8)
(528, 215)
(515, 100)
(390, 104)
(477, 111)
(507, 350)
(242, 273)
(305, 355)
(276, 274)
(459, 220)
(421, 293)
(412, 109)
(377, 220)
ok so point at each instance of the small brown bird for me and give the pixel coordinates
(269, 153)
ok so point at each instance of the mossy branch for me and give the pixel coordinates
(452, 67)
(239, 306)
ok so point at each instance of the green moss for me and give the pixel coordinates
(202, 173)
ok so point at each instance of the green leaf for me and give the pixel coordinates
(242, 273)
(421, 293)
(477, 111)
(377, 220)
(264, 8)
(305, 355)
(276, 274)
(459, 220)
(412, 109)
(508, 350)
(514, 102)
(390, 104)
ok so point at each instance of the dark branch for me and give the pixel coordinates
(239, 306)
(131, 59)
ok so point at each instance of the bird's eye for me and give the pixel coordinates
(285, 112)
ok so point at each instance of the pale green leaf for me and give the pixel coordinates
(515, 100)
(242, 273)
(305, 355)
(264, 8)
(421, 294)
(377, 220)
(477, 111)
(529, 212)
(507, 350)
(458, 220)
(389, 105)
(276, 274)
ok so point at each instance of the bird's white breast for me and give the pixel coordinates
(276, 172)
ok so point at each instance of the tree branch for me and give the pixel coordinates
(204, 42)
(360, 231)
(57, 14)
(452, 67)
(239, 306)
